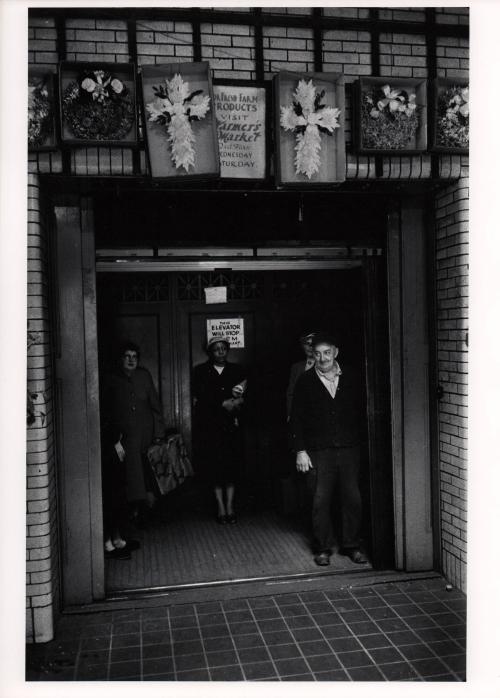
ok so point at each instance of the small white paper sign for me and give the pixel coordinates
(229, 328)
(216, 294)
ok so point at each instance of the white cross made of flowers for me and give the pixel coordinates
(308, 118)
(175, 107)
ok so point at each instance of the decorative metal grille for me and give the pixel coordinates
(240, 285)
(137, 290)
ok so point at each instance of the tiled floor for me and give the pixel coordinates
(412, 630)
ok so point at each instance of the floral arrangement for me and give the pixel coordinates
(175, 107)
(308, 118)
(98, 106)
(452, 127)
(389, 118)
(39, 111)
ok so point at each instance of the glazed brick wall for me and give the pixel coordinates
(42, 43)
(287, 48)
(97, 40)
(399, 14)
(347, 52)
(452, 235)
(164, 42)
(347, 12)
(452, 57)
(452, 15)
(41, 514)
(403, 55)
(230, 49)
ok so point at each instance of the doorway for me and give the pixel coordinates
(166, 314)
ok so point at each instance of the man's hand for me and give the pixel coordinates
(303, 462)
(120, 451)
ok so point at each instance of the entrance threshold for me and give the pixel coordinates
(251, 589)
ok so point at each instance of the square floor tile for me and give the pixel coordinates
(372, 602)
(323, 662)
(185, 634)
(382, 613)
(156, 637)
(298, 677)
(244, 627)
(339, 675)
(92, 672)
(260, 670)
(96, 643)
(354, 616)
(354, 659)
(415, 651)
(372, 641)
(235, 605)
(302, 634)
(398, 671)
(314, 647)
(253, 640)
(424, 621)
(187, 647)
(300, 622)
(366, 673)
(208, 607)
(190, 661)
(158, 664)
(334, 631)
(284, 651)
(212, 619)
(455, 662)
(287, 599)
(344, 644)
(123, 669)
(388, 624)
(262, 602)
(324, 619)
(253, 654)
(363, 628)
(278, 637)
(238, 616)
(178, 610)
(385, 655)
(319, 607)
(343, 605)
(445, 647)
(226, 673)
(96, 656)
(184, 622)
(288, 667)
(215, 631)
(159, 624)
(312, 596)
(403, 637)
(293, 610)
(123, 654)
(408, 609)
(429, 667)
(222, 658)
(160, 650)
(216, 644)
(266, 613)
(193, 675)
(128, 627)
(272, 624)
(444, 619)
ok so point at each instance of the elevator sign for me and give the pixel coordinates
(227, 328)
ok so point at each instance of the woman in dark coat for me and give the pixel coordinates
(218, 388)
(133, 421)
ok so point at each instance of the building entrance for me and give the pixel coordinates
(166, 314)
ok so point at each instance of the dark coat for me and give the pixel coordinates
(319, 421)
(216, 431)
(131, 408)
(296, 370)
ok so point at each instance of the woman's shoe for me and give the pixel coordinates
(221, 519)
(231, 518)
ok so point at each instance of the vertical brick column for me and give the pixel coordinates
(452, 228)
(41, 514)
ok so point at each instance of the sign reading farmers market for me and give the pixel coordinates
(241, 128)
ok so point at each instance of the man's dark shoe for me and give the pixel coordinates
(322, 559)
(356, 556)
(117, 554)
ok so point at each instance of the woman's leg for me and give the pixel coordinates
(221, 511)
(229, 500)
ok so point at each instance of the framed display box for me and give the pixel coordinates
(98, 103)
(242, 115)
(179, 121)
(309, 128)
(449, 120)
(41, 109)
(390, 115)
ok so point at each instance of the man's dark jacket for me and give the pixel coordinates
(319, 421)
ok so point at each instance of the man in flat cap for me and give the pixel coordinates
(325, 433)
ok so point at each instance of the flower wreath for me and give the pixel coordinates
(175, 107)
(389, 118)
(98, 106)
(307, 117)
(39, 111)
(453, 118)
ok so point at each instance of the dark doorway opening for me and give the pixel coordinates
(166, 315)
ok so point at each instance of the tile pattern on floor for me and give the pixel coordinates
(412, 630)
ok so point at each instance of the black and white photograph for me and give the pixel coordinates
(247, 337)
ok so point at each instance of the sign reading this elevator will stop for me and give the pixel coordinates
(232, 329)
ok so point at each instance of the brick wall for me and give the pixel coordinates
(230, 49)
(287, 48)
(452, 227)
(41, 515)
